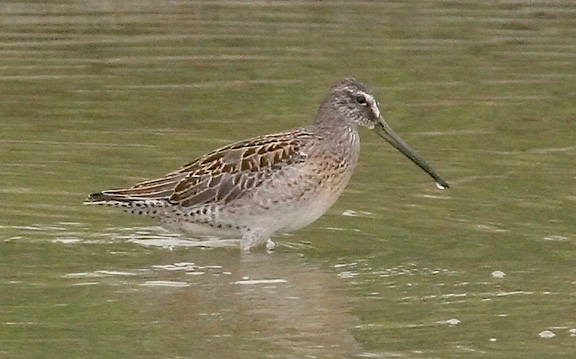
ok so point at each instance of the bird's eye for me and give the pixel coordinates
(361, 99)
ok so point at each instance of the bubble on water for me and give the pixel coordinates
(546, 334)
(498, 274)
(452, 321)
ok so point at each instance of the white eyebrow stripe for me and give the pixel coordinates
(372, 102)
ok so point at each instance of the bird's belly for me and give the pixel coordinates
(286, 215)
(200, 228)
(305, 212)
(294, 200)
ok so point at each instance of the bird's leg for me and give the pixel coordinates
(252, 238)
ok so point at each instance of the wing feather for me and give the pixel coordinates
(223, 175)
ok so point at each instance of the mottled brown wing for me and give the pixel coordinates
(158, 189)
(222, 175)
(226, 174)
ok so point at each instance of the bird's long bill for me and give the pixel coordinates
(387, 133)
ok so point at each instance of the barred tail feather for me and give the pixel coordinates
(135, 205)
(102, 198)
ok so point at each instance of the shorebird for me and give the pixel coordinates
(268, 184)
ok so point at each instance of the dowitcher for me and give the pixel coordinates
(268, 184)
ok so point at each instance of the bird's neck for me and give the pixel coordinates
(331, 121)
(341, 135)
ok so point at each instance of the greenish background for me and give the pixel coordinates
(102, 94)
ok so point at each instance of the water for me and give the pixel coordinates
(102, 95)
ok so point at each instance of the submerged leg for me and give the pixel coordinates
(252, 238)
(270, 245)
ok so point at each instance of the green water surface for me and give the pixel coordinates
(99, 95)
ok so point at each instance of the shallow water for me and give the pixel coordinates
(103, 95)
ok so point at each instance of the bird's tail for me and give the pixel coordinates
(104, 198)
(135, 205)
